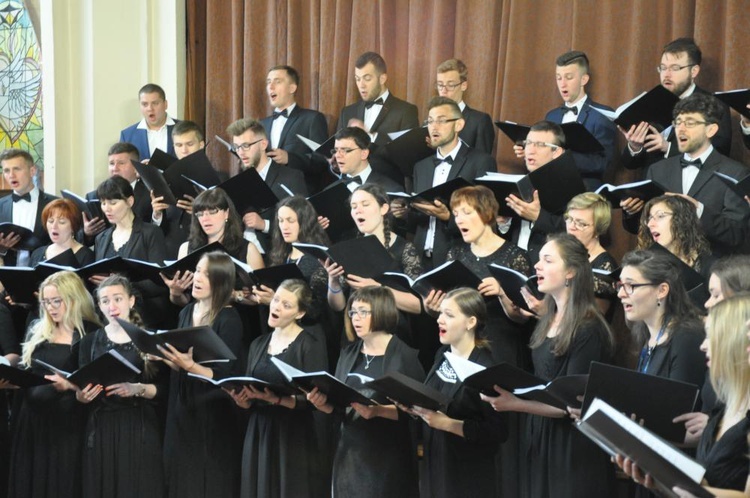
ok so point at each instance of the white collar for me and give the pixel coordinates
(143, 126)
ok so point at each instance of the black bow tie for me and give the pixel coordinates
(695, 162)
(25, 197)
(282, 113)
(378, 101)
(565, 109)
(354, 179)
(446, 159)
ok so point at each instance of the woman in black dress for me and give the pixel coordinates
(201, 444)
(48, 437)
(130, 237)
(568, 337)
(460, 444)
(62, 221)
(122, 455)
(375, 455)
(281, 455)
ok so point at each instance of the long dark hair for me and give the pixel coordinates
(690, 242)
(581, 304)
(310, 231)
(660, 268)
(221, 275)
(232, 239)
(381, 197)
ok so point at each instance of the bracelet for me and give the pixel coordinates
(191, 366)
(332, 291)
(277, 402)
(140, 393)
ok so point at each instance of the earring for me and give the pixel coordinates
(567, 282)
(226, 220)
(658, 302)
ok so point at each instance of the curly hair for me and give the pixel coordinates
(689, 242)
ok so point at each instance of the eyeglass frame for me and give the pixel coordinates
(440, 121)
(448, 86)
(689, 123)
(578, 224)
(526, 143)
(659, 216)
(245, 146)
(673, 68)
(360, 313)
(53, 303)
(345, 150)
(625, 285)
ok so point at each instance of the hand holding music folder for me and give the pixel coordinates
(644, 190)
(237, 383)
(348, 254)
(560, 392)
(449, 275)
(106, 370)
(270, 277)
(333, 203)
(207, 345)
(196, 167)
(654, 106)
(404, 390)
(503, 185)
(513, 281)
(28, 241)
(616, 434)
(655, 400)
(155, 182)
(91, 207)
(557, 182)
(21, 378)
(338, 393)
(440, 193)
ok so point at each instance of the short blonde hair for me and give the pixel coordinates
(599, 206)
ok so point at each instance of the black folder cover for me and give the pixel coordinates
(155, 181)
(644, 190)
(109, 368)
(333, 203)
(161, 159)
(558, 181)
(237, 383)
(22, 378)
(408, 149)
(92, 207)
(198, 168)
(404, 390)
(28, 241)
(348, 254)
(512, 282)
(736, 99)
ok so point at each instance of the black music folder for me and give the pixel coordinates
(505, 184)
(736, 99)
(445, 277)
(187, 263)
(272, 276)
(740, 186)
(577, 137)
(109, 368)
(407, 148)
(155, 182)
(161, 159)
(513, 281)
(194, 167)
(207, 345)
(22, 282)
(406, 391)
(349, 255)
(21, 378)
(323, 149)
(644, 190)
(28, 241)
(247, 190)
(92, 207)
(654, 106)
(656, 400)
(237, 383)
(558, 182)
(333, 203)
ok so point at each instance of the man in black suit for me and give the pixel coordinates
(250, 142)
(289, 120)
(352, 150)
(722, 213)
(119, 163)
(452, 82)
(679, 66)
(435, 230)
(23, 207)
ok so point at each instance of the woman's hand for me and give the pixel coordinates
(334, 272)
(433, 300)
(262, 294)
(357, 282)
(695, 423)
(124, 390)
(182, 361)
(319, 400)
(490, 287)
(97, 279)
(505, 402)
(436, 420)
(179, 283)
(240, 398)
(536, 306)
(89, 393)
(4, 384)
(366, 412)
(60, 383)
(630, 468)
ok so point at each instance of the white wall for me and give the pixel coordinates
(96, 55)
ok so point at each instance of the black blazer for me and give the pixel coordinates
(309, 124)
(478, 132)
(292, 179)
(722, 141)
(546, 224)
(6, 216)
(175, 225)
(384, 181)
(469, 164)
(725, 214)
(396, 115)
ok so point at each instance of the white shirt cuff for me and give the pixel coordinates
(267, 227)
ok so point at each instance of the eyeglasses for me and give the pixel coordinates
(673, 68)
(630, 288)
(359, 313)
(245, 146)
(448, 86)
(689, 123)
(342, 150)
(53, 303)
(578, 224)
(439, 121)
(529, 143)
(206, 212)
(658, 216)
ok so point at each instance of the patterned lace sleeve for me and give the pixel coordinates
(604, 288)
(411, 261)
(519, 260)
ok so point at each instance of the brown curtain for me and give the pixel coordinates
(509, 46)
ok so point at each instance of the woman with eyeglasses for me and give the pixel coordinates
(375, 456)
(560, 461)
(49, 436)
(201, 444)
(587, 218)
(460, 443)
(723, 447)
(122, 456)
(214, 220)
(129, 237)
(672, 222)
(281, 455)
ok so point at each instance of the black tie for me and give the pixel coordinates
(565, 109)
(378, 101)
(277, 114)
(354, 179)
(25, 197)
(695, 162)
(446, 159)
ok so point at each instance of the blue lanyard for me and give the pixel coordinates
(645, 358)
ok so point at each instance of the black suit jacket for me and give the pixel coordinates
(175, 225)
(384, 181)
(546, 224)
(309, 124)
(469, 164)
(478, 132)
(746, 139)
(722, 141)
(725, 214)
(395, 115)
(6, 216)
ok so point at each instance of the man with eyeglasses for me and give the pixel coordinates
(352, 151)
(572, 75)
(289, 120)
(250, 141)
(722, 213)
(679, 66)
(435, 229)
(452, 82)
(544, 143)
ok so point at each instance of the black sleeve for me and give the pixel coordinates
(8, 337)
